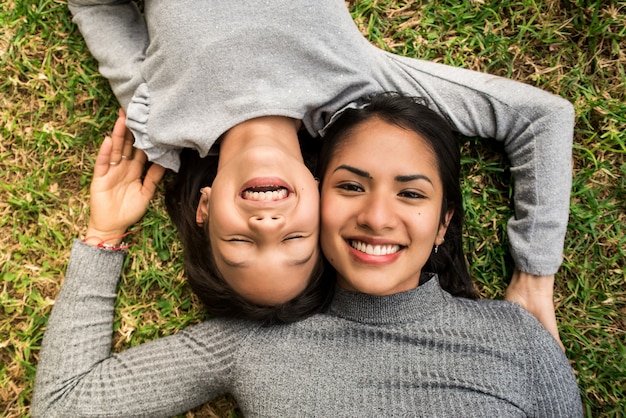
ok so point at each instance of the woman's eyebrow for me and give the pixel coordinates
(411, 177)
(354, 170)
(367, 175)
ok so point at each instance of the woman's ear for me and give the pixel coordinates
(202, 212)
(444, 227)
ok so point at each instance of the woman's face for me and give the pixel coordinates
(381, 208)
(263, 218)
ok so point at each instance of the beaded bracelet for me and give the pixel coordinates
(122, 246)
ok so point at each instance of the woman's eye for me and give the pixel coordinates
(350, 187)
(238, 240)
(411, 194)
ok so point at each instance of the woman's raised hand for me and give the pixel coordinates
(119, 193)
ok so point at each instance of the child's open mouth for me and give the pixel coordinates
(265, 193)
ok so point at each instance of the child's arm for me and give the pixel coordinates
(117, 36)
(536, 128)
(537, 131)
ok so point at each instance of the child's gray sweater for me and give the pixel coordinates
(190, 70)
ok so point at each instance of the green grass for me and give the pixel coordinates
(56, 109)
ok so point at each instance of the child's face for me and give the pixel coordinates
(381, 209)
(263, 215)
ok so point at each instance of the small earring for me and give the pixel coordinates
(436, 249)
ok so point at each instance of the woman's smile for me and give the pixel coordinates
(372, 253)
(381, 217)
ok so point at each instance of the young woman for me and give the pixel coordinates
(402, 336)
(251, 75)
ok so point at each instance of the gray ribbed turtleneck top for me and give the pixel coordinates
(416, 353)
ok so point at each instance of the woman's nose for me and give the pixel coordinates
(377, 214)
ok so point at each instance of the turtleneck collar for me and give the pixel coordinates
(401, 307)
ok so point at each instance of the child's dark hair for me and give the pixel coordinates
(181, 199)
(411, 114)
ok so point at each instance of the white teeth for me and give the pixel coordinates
(374, 249)
(268, 195)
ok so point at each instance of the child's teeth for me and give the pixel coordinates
(268, 195)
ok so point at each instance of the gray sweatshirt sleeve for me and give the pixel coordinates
(536, 128)
(551, 378)
(77, 374)
(117, 36)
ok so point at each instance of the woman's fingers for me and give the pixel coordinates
(119, 140)
(127, 149)
(126, 152)
(152, 178)
(119, 159)
(103, 158)
(140, 158)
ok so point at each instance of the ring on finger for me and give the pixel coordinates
(126, 157)
(113, 163)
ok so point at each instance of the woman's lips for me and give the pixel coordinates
(374, 252)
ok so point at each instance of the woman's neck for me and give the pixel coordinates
(268, 131)
(413, 305)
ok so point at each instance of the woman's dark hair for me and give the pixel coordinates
(411, 114)
(181, 199)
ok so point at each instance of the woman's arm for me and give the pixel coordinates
(551, 379)
(117, 36)
(536, 128)
(536, 295)
(77, 375)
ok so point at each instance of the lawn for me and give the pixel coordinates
(56, 109)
